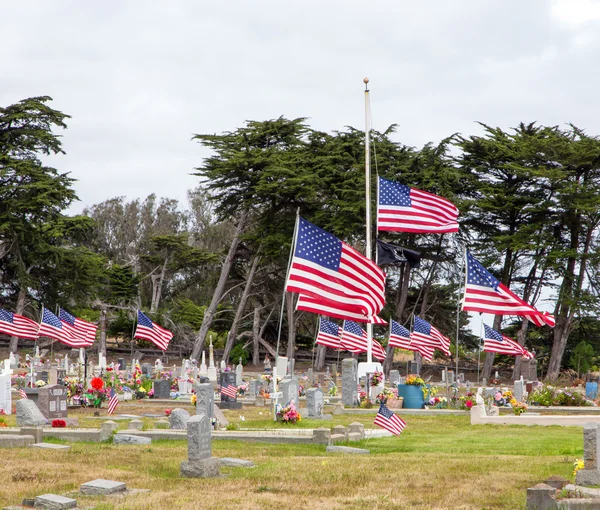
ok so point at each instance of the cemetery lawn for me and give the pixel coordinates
(438, 462)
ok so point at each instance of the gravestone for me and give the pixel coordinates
(591, 390)
(252, 391)
(162, 388)
(52, 401)
(484, 382)
(444, 372)
(401, 380)
(533, 369)
(147, 369)
(590, 474)
(138, 355)
(394, 377)
(205, 397)
(311, 376)
(227, 402)
(518, 391)
(334, 372)
(239, 374)
(28, 414)
(5, 394)
(322, 378)
(314, 403)
(200, 463)
(289, 388)
(450, 376)
(414, 367)
(349, 382)
(179, 418)
(122, 364)
(282, 366)
(44, 375)
(525, 369)
(223, 365)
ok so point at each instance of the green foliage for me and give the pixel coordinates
(238, 352)
(582, 357)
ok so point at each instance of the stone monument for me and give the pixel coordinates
(212, 370)
(200, 463)
(349, 382)
(314, 403)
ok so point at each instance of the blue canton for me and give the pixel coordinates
(50, 318)
(6, 316)
(492, 333)
(422, 326)
(318, 246)
(67, 317)
(478, 275)
(399, 330)
(352, 327)
(393, 193)
(385, 411)
(329, 327)
(144, 321)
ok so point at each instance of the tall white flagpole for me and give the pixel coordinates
(368, 247)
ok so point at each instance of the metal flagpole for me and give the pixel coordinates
(479, 349)
(458, 301)
(368, 247)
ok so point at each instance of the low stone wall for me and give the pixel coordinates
(479, 417)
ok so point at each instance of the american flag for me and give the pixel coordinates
(354, 339)
(399, 336)
(310, 304)
(334, 275)
(493, 341)
(147, 330)
(329, 334)
(22, 393)
(404, 209)
(17, 325)
(113, 401)
(80, 329)
(229, 390)
(484, 293)
(424, 334)
(425, 350)
(53, 328)
(387, 420)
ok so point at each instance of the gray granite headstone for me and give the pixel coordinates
(518, 391)
(122, 364)
(525, 367)
(590, 474)
(252, 392)
(52, 401)
(199, 440)
(289, 388)
(179, 419)
(314, 403)
(414, 367)
(394, 377)
(227, 402)
(533, 369)
(162, 388)
(28, 414)
(311, 376)
(349, 382)
(205, 397)
(130, 439)
(55, 502)
(102, 487)
(147, 369)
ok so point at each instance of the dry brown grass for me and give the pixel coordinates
(439, 462)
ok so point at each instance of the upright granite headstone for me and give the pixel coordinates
(518, 391)
(533, 369)
(252, 391)
(162, 388)
(200, 463)
(28, 414)
(227, 402)
(394, 377)
(289, 388)
(122, 364)
(5, 394)
(525, 369)
(314, 403)
(590, 474)
(239, 374)
(147, 369)
(311, 377)
(52, 401)
(414, 367)
(179, 418)
(205, 397)
(349, 382)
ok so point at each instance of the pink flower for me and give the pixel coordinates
(498, 396)
(469, 404)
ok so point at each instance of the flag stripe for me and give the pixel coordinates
(17, 325)
(148, 330)
(387, 420)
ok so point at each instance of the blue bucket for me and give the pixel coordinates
(412, 395)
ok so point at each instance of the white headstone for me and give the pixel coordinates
(203, 367)
(13, 361)
(223, 365)
(282, 365)
(5, 395)
(158, 365)
(239, 372)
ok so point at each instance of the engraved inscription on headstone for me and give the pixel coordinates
(199, 441)
(52, 401)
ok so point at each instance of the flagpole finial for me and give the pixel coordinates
(366, 82)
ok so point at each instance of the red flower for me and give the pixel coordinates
(469, 404)
(57, 424)
(97, 383)
(168, 412)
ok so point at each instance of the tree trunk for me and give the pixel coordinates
(240, 310)
(102, 341)
(521, 335)
(157, 284)
(212, 308)
(14, 341)
(256, 336)
(289, 304)
(320, 357)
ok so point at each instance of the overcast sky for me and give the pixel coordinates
(139, 78)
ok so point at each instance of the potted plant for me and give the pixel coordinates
(412, 392)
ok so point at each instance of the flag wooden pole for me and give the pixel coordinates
(368, 247)
(292, 249)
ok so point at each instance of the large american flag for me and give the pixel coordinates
(404, 209)
(113, 401)
(389, 421)
(333, 274)
(399, 336)
(354, 339)
(319, 306)
(148, 330)
(53, 328)
(229, 390)
(80, 329)
(17, 325)
(329, 334)
(493, 341)
(426, 335)
(484, 293)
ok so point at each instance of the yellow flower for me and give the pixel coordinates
(577, 465)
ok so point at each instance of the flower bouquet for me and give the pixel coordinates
(384, 396)
(518, 407)
(377, 378)
(289, 414)
(414, 380)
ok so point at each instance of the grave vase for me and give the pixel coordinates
(412, 395)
